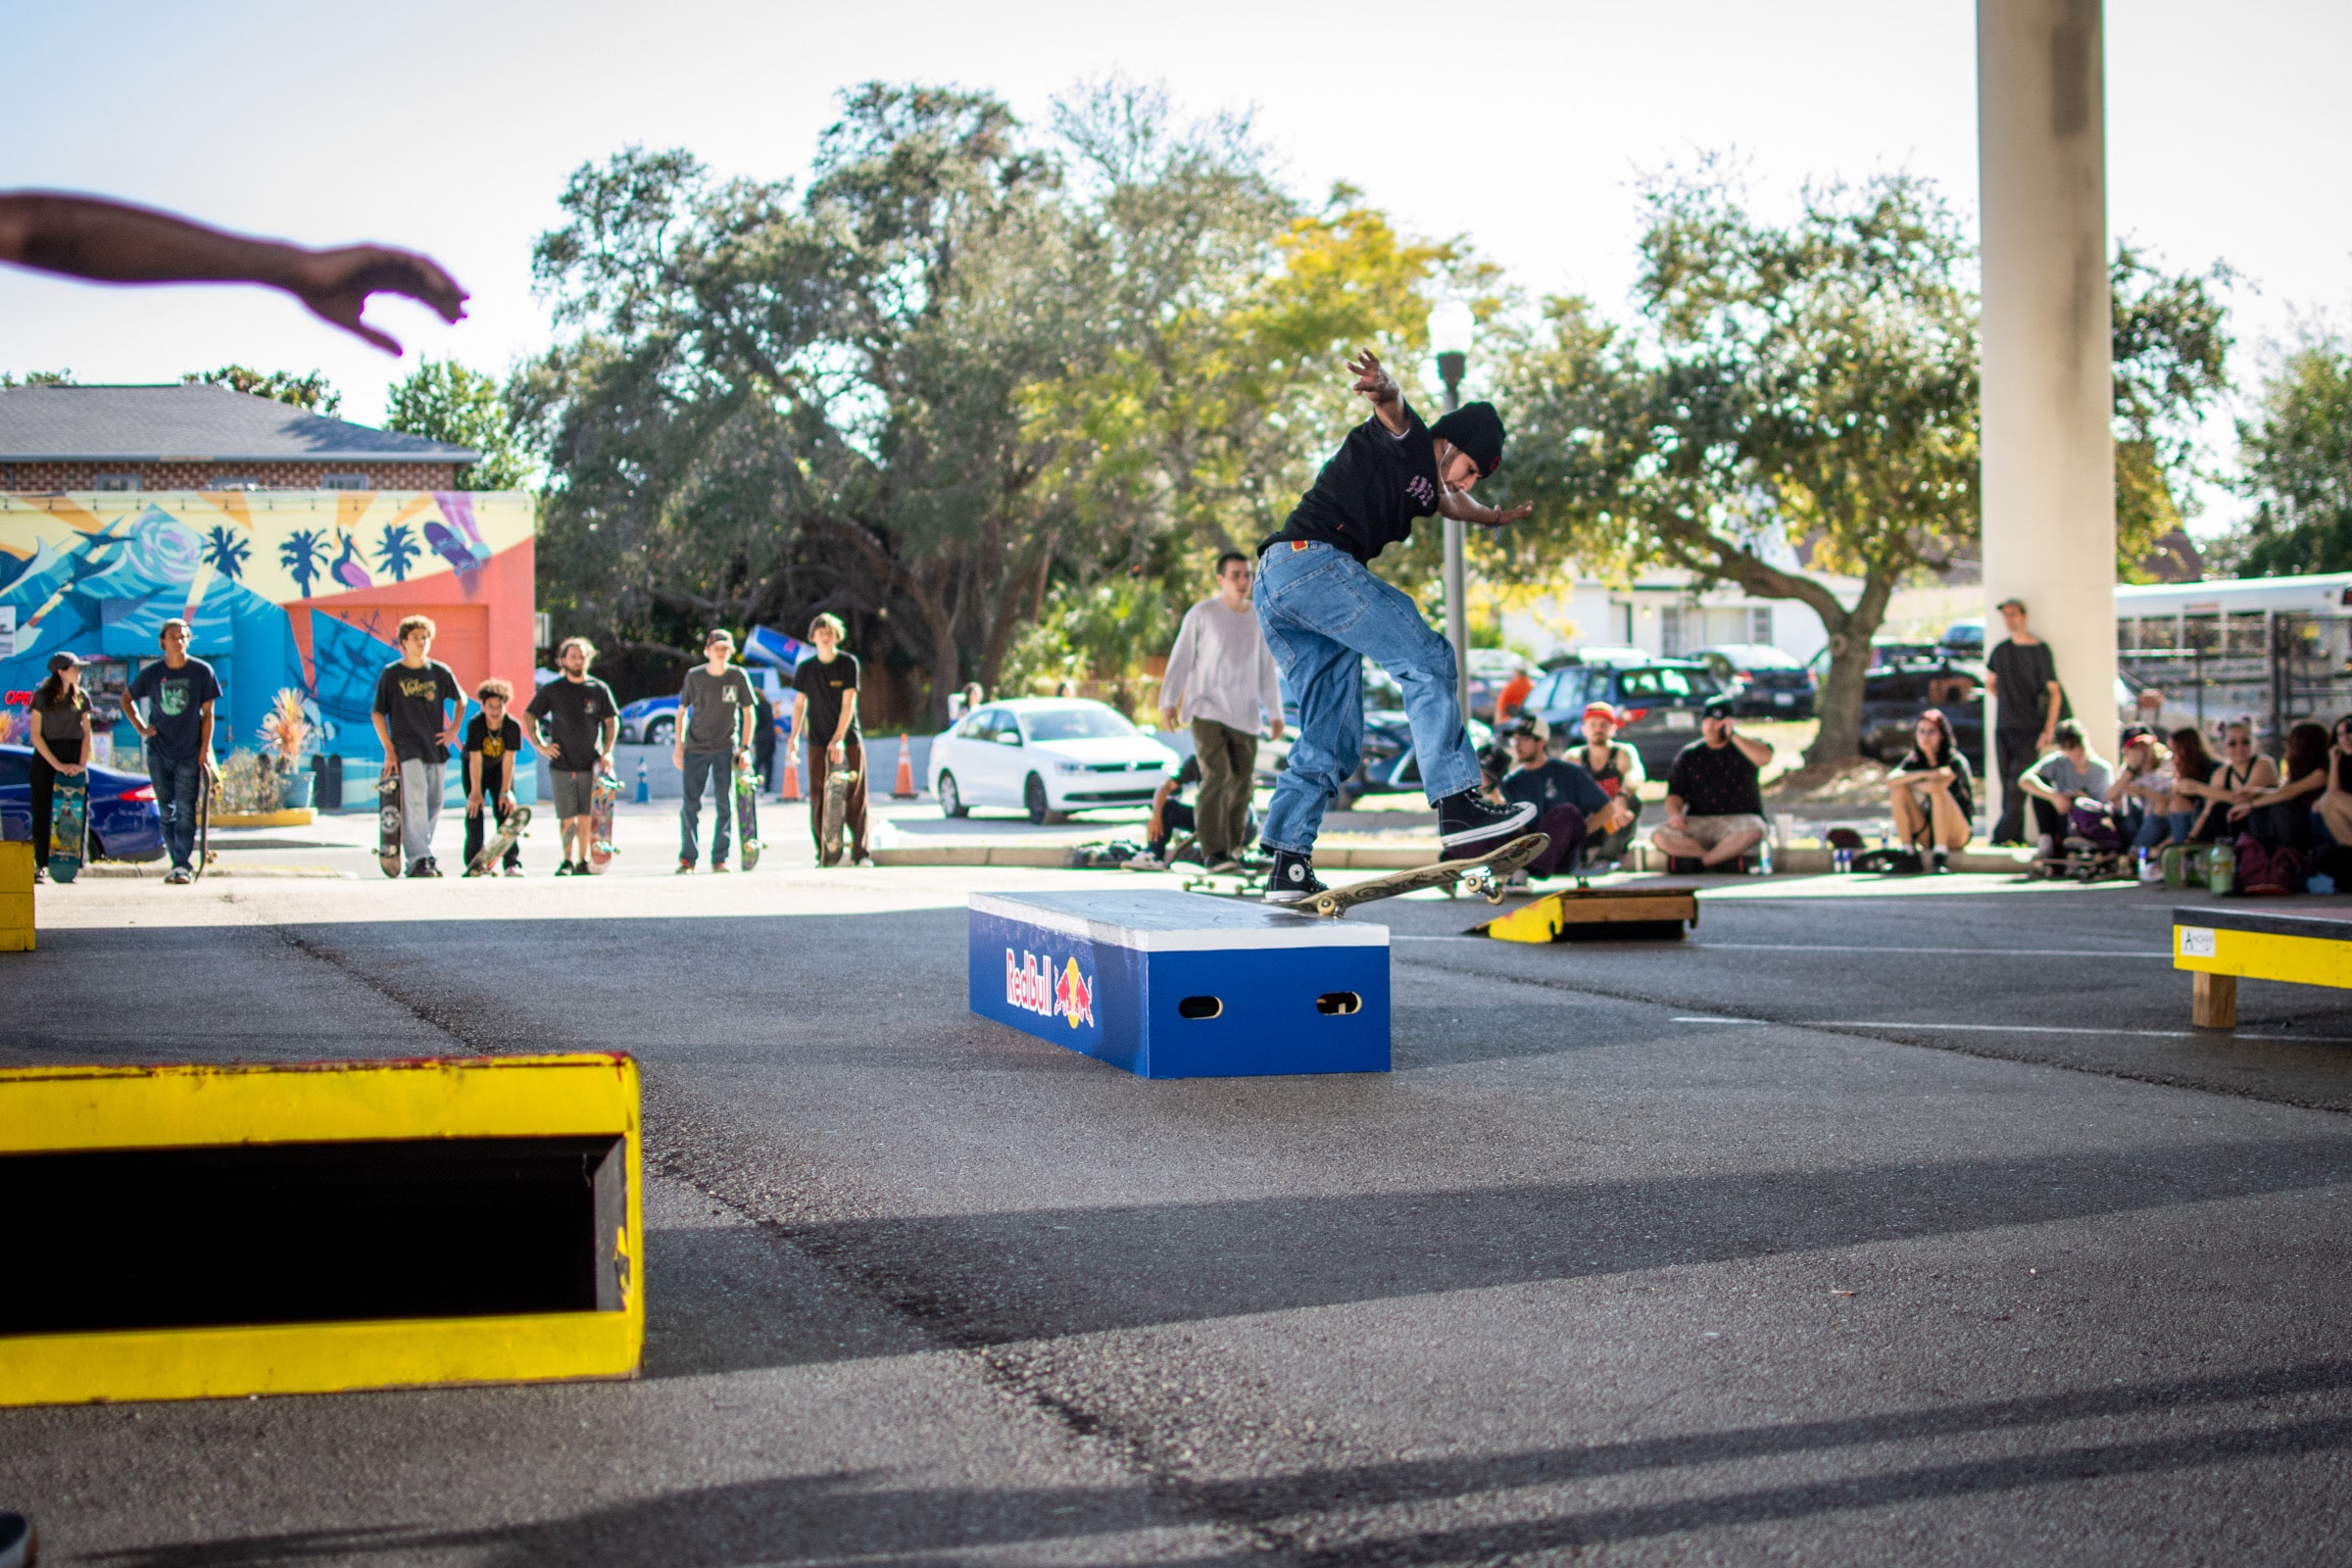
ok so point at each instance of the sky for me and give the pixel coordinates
(450, 127)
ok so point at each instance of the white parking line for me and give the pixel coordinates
(2026, 1029)
(1983, 952)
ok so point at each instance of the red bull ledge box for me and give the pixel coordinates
(1183, 985)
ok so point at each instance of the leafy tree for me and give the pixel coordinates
(2170, 346)
(313, 391)
(444, 401)
(38, 379)
(2296, 454)
(225, 552)
(303, 553)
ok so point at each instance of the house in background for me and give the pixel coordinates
(1663, 613)
(292, 543)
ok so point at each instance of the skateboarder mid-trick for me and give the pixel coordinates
(1324, 613)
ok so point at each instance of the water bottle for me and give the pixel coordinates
(1764, 857)
(645, 791)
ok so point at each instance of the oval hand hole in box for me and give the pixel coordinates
(1198, 1007)
(1338, 1002)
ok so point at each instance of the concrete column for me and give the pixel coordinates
(2048, 485)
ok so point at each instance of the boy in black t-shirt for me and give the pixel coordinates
(825, 710)
(410, 698)
(1323, 614)
(492, 739)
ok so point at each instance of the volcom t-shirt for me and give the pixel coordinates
(175, 699)
(1369, 493)
(411, 702)
(493, 748)
(715, 706)
(575, 712)
(826, 686)
(1554, 783)
(1715, 781)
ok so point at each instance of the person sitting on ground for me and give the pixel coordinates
(1617, 770)
(1170, 816)
(2061, 780)
(1569, 804)
(2193, 765)
(492, 739)
(2242, 776)
(2279, 818)
(2332, 815)
(2142, 789)
(1933, 791)
(1714, 799)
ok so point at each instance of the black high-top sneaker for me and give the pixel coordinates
(1291, 879)
(1468, 827)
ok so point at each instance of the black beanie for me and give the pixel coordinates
(1475, 428)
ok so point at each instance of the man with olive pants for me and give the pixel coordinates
(1222, 676)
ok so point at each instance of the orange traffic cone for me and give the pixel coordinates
(791, 790)
(904, 789)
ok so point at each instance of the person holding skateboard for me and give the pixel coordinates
(60, 746)
(178, 731)
(1323, 614)
(825, 710)
(717, 711)
(1221, 676)
(576, 721)
(492, 737)
(420, 714)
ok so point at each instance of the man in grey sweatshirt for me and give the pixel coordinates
(1221, 675)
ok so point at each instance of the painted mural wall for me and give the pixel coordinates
(284, 589)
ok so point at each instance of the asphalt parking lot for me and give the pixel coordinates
(1878, 1222)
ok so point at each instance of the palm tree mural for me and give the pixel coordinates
(302, 555)
(398, 549)
(225, 553)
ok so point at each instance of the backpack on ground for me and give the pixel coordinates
(2268, 870)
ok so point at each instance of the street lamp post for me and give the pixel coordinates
(1451, 326)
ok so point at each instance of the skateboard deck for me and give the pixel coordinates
(835, 820)
(509, 832)
(746, 814)
(600, 800)
(69, 825)
(388, 819)
(204, 826)
(1483, 874)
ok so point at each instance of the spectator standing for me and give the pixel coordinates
(61, 745)
(764, 742)
(717, 711)
(2022, 674)
(177, 729)
(492, 741)
(1514, 692)
(411, 697)
(576, 721)
(1222, 676)
(826, 712)
(2070, 773)
(1934, 792)
(1569, 804)
(1617, 770)
(1714, 794)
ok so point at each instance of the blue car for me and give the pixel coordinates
(125, 824)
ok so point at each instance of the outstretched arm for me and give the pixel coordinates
(1388, 404)
(1454, 504)
(85, 237)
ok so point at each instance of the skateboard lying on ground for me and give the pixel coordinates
(1483, 876)
(603, 795)
(836, 815)
(747, 813)
(509, 832)
(69, 825)
(388, 819)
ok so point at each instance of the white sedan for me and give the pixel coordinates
(1046, 755)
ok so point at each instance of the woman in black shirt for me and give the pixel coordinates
(1932, 789)
(2281, 816)
(61, 741)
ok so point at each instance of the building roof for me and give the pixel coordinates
(191, 424)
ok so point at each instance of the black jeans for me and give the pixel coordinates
(44, 792)
(477, 832)
(2013, 751)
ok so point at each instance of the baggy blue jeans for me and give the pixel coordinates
(1323, 612)
(176, 783)
(713, 771)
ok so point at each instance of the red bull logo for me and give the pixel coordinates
(1034, 987)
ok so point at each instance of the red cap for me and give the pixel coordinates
(1604, 710)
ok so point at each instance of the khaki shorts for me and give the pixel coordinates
(1713, 830)
(571, 791)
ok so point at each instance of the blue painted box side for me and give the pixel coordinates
(1121, 1006)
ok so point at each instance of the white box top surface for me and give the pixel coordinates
(1163, 921)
